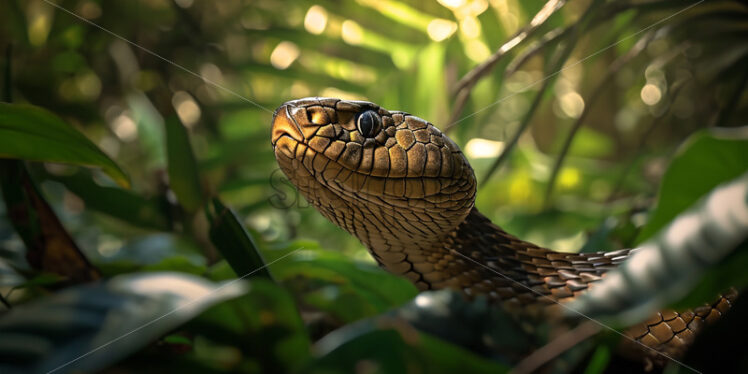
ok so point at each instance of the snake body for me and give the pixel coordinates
(407, 192)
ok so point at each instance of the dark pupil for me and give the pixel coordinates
(366, 122)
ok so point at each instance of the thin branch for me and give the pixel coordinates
(564, 55)
(5, 302)
(592, 98)
(465, 85)
(464, 94)
(474, 75)
(556, 68)
(675, 89)
(535, 48)
(556, 347)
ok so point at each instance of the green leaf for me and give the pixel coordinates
(344, 282)
(264, 323)
(591, 143)
(49, 246)
(599, 360)
(87, 328)
(710, 237)
(34, 134)
(434, 332)
(182, 167)
(234, 242)
(397, 347)
(129, 207)
(704, 161)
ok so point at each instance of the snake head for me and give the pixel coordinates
(343, 155)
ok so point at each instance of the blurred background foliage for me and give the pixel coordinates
(570, 129)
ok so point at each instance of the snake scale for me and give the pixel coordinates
(407, 192)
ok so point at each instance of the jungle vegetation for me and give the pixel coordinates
(139, 181)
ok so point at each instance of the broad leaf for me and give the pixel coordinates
(704, 161)
(264, 323)
(347, 289)
(34, 134)
(87, 328)
(405, 338)
(49, 247)
(129, 207)
(395, 349)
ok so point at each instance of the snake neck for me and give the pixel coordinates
(479, 258)
(461, 258)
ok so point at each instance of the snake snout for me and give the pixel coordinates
(285, 125)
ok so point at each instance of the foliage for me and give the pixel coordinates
(31, 133)
(86, 327)
(715, 156)
(139, 134)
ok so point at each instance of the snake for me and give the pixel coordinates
(407, 192)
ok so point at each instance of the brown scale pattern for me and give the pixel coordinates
(547, 276)
(407, 192)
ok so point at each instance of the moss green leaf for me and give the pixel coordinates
(34, 134)
(183, 175)
(704, 161)
(234, 242)
(148, 213)
(395, 349)
(87, 328)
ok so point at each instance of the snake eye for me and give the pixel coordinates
(368, 123)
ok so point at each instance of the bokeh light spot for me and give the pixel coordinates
(284, 55)
(124, 127)
(651, 94)
(452, 4)
(39, 25)
(572, 104)
(351, 32)
(483, 148)
(440, 29)
(470, 27)
(520, 189)
(88, 85)
(315, 20)
(186, 107)
(569, 178)
(477, 51)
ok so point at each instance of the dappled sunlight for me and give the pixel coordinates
(651, 94)
(589, 126)
(483, 148)
(351, 32)
(284, 55)
(440, 29)
(186, 107)
(315, 20)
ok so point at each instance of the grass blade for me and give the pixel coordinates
(235, 243)
(183, 175)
